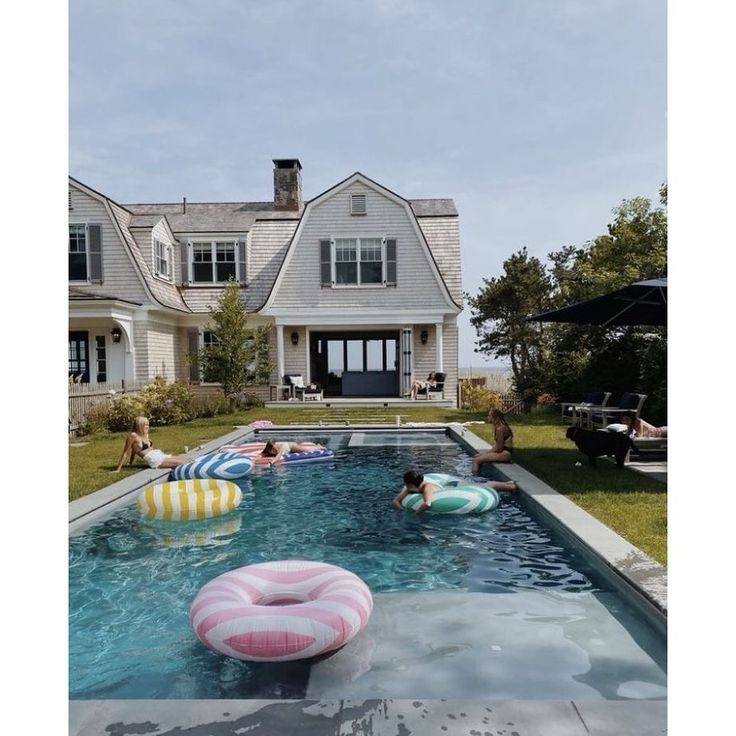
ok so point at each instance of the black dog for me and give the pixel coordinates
(594, 443)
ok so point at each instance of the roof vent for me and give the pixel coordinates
(357, 204)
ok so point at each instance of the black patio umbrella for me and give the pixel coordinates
(640, 303)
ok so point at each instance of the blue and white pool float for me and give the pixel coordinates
(220, 465)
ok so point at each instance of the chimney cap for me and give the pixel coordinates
(287, 163)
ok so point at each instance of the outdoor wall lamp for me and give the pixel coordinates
(424, 336)
(116, 333)
(294, 338)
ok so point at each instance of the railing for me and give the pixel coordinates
(84, 396)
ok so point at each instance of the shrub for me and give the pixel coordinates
(167, 403)
(546, 400)
(116, 415)
(479, 398)
(210, 406)
(249, 401)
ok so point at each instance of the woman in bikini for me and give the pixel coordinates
(276, 450)
(138, 443)
(503, 446)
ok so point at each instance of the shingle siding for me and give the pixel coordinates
(416, 287)
(118, 274)
(443, 236)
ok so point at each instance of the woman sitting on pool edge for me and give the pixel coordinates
(276, 450)
(139, 443)
(503, 443)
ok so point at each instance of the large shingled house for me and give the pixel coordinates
(360, 287)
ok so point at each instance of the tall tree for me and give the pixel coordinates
(238, 354)
(498, 313)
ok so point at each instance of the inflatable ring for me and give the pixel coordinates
(220, 465)
(253, 451)
(277, 611)
(455, 496)
(183, 500)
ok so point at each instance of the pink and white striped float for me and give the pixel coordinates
(276, 611)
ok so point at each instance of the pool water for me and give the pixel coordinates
(131, 580)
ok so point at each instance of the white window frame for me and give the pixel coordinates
(82, 225)
(213, 242)
(166, 258)
(357, 238)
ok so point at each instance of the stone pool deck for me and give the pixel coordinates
(488, 647)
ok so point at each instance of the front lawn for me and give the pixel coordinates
(628, 502)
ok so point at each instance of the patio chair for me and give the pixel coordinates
(432, 391)
(570, 414)
(599, 417)
(300, 390)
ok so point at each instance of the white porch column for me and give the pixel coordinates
(439, 361)
(127, 327)
(280, 351)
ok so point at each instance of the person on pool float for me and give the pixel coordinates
(504, 443)
(276, 450)
(139, 444)
(414, 483)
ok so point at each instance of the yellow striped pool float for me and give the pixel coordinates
(184, 500)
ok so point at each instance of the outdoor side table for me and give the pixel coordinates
(280, 389)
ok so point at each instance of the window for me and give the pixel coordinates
(85, 252)
(77, 253)
(208, 340)
(162, 259)
(358, 261)
(101, 358)
(78, 356)
(213, 262)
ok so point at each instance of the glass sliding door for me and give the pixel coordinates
(356, 363)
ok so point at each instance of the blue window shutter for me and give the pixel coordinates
(193, 335)
(390, 262)
(241, 262)
(185, 263)
(94, 238)
(325, 257)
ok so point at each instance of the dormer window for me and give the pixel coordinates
(162, 259)
(357, 204)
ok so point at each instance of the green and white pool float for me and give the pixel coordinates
(455, 497)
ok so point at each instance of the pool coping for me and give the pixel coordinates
(640, 572)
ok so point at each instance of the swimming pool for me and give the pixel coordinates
(448, 590)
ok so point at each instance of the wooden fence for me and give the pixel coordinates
(84, 396)
(511, 403)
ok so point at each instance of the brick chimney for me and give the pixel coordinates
(287, 184)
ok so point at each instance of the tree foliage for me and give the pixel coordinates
(498, 314)
(566, 359)
(238, 355)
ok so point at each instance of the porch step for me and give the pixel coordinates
(337, 416)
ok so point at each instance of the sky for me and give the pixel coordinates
(536, 117)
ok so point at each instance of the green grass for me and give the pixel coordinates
(630, 503)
